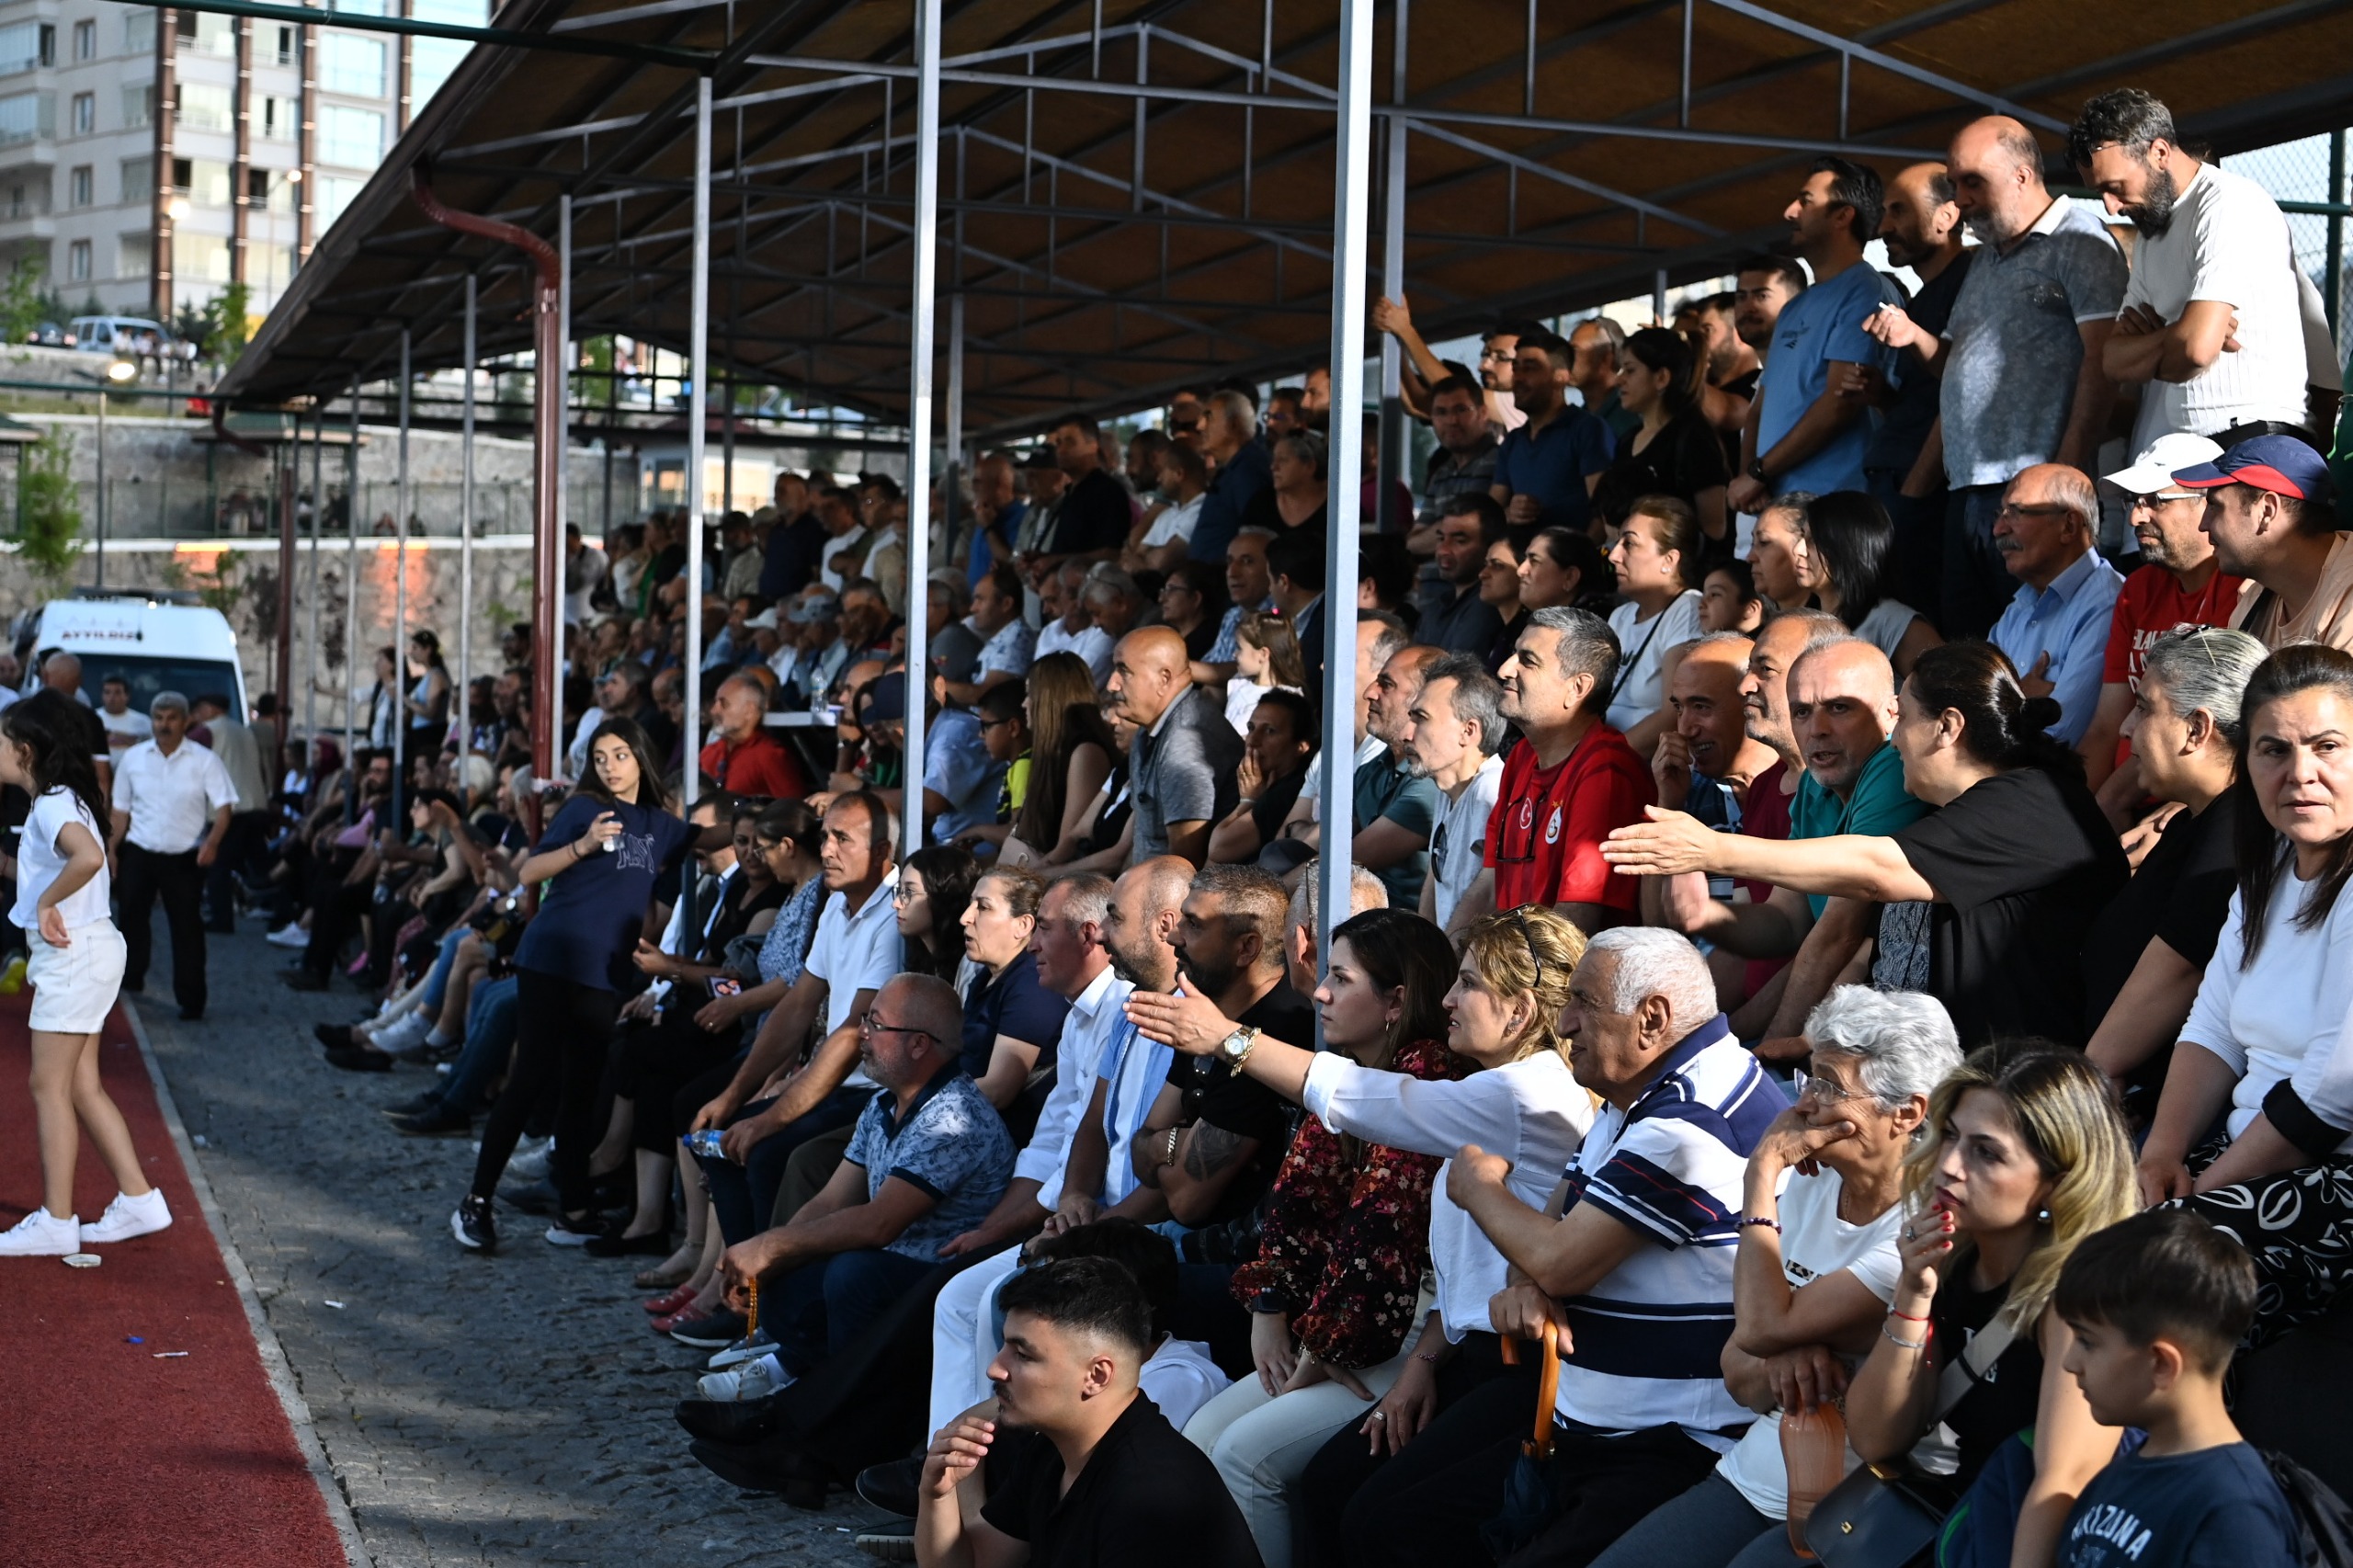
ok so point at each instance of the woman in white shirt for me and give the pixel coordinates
(1657, 561)
(2266, 1050)
(1503, 1014)
(1817, 1267)
(75, 971)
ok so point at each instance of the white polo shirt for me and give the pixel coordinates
(170, 800)
(1087, 1028)
(854, 951)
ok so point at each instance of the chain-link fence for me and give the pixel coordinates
(2309, 174)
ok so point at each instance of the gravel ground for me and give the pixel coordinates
(510, 1410)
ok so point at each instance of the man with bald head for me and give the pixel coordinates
(1186, 754)
(2055, 631)
(2020, 355)
(1706, 760)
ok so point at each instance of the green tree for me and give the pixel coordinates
(232, 309)
(21, 302)
(49, 514)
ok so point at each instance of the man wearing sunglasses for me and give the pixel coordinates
(2055, 631)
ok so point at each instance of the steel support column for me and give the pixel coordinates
(541, 768)
(351, 598)
(1351, 210)
(952, 499)
(563, 444)
(1391, 464)
(310, 641)
(400, 543)
(697, 421)
(919, 396)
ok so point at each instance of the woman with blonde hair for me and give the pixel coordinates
(2025, 1156)
(1503, 1018)
(1073, 744)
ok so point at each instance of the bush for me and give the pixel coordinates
(48, 510)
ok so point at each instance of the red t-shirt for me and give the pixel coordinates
(760, 766)
(1765, 814)
(1544, 835)
(2152, 602)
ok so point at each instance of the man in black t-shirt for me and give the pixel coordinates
(1096, 513)
(1112, 1482)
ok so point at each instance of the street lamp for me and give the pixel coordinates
(122, 370)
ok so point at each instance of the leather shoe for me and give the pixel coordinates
(777, 1464)
(440, 1121)
(360, 1060)
(735, 1424)
(892, 1486)
(302, 980)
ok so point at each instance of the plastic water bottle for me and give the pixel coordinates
(1813, 1452)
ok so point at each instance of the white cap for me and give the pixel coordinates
(2166, 456)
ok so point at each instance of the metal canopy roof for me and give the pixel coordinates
(1135, 193)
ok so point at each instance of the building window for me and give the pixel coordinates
(77, 262)
(208, 183)
(20, 47)
(334, 194)
(280, 118)
(183, 174)
(85, 41)
(208, 33)
(85, 113)
(138, 179)
(138, 32)
(138, 106)
(353, 65)
(202, 106)
(17, 206)
(201, 257)
(289, 45)
(23, 117)
(257, 187)
(80, 187)
(135, 257)
(353, 138)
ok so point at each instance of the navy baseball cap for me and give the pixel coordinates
(2281, 464)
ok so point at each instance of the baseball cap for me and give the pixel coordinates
(813, 608)
(764, 621)
(2281, 464)
(2168, 455)
(890, 697)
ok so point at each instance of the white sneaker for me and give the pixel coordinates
(530, 1164)
(42, 1234)
(289, 935)
(753, 1380)
(409, 1031)
(129, 1217)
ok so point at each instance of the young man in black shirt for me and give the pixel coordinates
(1107, 1481)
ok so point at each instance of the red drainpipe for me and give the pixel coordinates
(547, 456)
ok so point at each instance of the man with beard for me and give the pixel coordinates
(1728, 380)
(2020, 356)
(2212, 326)
(1453, 736)
(2178, 581)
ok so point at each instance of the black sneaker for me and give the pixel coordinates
(335, 1036)
(302, 980)
(360, 1059)
(473, 1225)
(415, 1105)
(892, 1486)
(717, 1331)
(440, 1121)
(613, 1244)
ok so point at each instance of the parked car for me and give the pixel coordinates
(48, 334)
(111, 334)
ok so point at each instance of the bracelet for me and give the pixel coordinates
(1907, 1317)
(575, 849)
(1758, 1220)
(1920, 1344)
(1170, 1157)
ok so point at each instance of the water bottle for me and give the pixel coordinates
(1813, 1452)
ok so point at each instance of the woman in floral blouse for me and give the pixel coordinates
(1336, 1291)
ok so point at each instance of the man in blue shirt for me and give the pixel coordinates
(1230, 442)
(1803, 434)
(1547, 467)
(2056, 629)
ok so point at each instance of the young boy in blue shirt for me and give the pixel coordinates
(2156, 1305)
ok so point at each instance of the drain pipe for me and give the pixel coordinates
(546, 459)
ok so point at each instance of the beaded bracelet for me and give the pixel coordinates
(1757, 1220)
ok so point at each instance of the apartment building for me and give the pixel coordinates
(148, 158)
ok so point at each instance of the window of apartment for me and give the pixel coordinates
(85, 113)
(281, 119)
(138, 33)
(138, 106)
(81, 187)
(353, 65)
(85, 41)
(138, 179)
(208, 33)
(183, 174)
(205, 106)
(77, 262)
(352, 137)
(273, 190)
(268, 268)
(17, 207)
(20, 47)
(210, 184)
(257, 187)
(289, 45)
(134, 257)
(334, 193)
(22, 117)
(203, 258)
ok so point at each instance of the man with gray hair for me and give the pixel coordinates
(1452, 735)
(2055, 631)
(1640, 1253)
(1573, 780)
(1069, 625)
(1230, 442)
(165, 793)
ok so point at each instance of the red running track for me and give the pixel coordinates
(116, 1459)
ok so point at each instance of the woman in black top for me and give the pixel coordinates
(1302, 486)
(1192, 601)
(2145, 953)
(1675, 453)
(1987, 898)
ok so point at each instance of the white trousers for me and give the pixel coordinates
(963, 1337)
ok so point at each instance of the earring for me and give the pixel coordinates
(2042, 1217)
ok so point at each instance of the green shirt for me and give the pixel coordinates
(1878, 806)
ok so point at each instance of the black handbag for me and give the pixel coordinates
(1887, 1516)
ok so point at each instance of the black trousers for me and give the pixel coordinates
(179, 881)
(247, 830)
(1434, 1499)
(561, 1031)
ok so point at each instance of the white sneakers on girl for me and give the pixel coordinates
(129, 1217)
(753, 1380)
(42, 1234)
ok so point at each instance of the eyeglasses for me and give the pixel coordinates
(1823, 1091)
(2013, 509)
(872, 1024)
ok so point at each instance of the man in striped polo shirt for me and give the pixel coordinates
(1633, 1260)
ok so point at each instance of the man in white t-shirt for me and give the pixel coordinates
(2212, 323)
(125, 726)
(1452, 734)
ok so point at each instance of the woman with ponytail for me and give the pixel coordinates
(1987, 898)
(62, 883)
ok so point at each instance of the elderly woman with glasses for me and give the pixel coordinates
(1818, 1263)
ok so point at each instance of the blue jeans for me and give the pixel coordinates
(824, 1305)
(1711, 1526)
(490, 1038)
(740, 1195)
(437, 978)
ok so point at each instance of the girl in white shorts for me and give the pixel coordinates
(75, 970)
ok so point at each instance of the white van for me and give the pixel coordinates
(155, 646)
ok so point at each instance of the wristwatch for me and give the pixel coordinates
(1237, 1047)
(1756, 472)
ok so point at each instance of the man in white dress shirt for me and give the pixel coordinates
(172, 805)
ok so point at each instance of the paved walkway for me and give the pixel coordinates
(508, 1410)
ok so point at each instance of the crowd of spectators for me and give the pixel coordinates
(1809, 897)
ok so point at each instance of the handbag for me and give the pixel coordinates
(1887, 1516)
(1528, 1490)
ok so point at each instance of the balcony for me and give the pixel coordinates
(26, 117)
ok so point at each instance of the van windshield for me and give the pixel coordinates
(191, 678)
